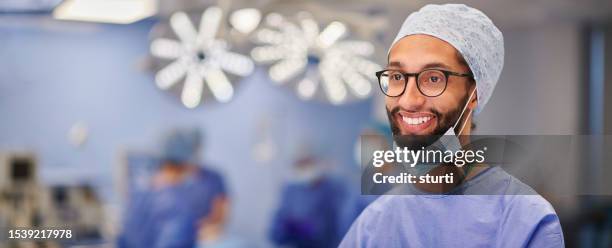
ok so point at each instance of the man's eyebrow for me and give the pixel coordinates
(394, 64)
(436, 65)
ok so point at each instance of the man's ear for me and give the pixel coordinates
(474, 101)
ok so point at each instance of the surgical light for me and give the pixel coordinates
(297, 51)
(200, 58)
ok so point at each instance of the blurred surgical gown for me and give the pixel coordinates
(168, 217)
(314, 214)
(508, 214)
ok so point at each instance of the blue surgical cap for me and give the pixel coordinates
(471, 32)
(182, 145)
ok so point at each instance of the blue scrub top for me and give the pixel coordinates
(312, 214)
(168, 217)
(510, 215)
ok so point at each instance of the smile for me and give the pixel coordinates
(414, 123)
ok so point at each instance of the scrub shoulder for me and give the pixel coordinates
(213, 178)
(518, 216)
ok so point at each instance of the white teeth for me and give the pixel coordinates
(415, 121)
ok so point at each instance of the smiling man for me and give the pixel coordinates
(442, 68)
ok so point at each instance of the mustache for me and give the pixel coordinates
(396, 109)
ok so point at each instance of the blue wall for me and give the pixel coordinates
(53, 74)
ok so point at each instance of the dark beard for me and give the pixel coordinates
(445, 121)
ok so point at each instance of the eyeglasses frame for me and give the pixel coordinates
(407, 77)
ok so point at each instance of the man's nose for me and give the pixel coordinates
(412, 99)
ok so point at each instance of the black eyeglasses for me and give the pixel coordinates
(430, 82)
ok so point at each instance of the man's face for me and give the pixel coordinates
(413, 54)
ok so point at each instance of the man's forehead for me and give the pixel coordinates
(423, 51)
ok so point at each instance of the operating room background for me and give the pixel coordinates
(55, 74)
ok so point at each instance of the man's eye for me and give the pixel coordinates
(434, 79)
(396, 76)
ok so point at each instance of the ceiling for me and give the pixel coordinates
(370, 13)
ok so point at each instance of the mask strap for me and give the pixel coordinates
(467, 168)
(464, 124)
(463, 111)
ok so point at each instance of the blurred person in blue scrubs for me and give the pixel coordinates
(314, 209)
(442, 66)
(185, 204)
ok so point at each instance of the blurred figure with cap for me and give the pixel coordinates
(442, 67)
(312, 211)
(185, 205)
